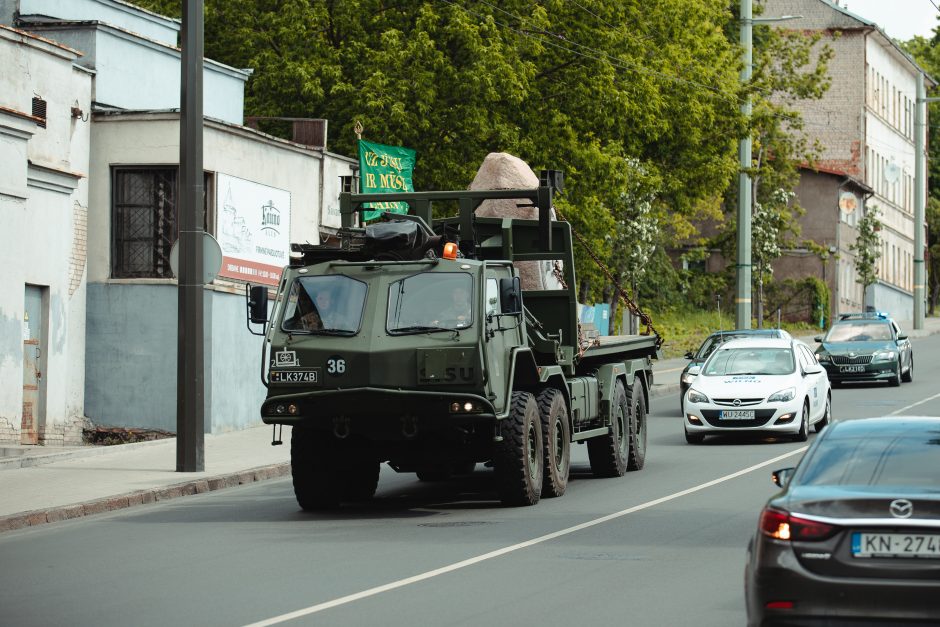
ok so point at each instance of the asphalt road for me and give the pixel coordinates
(663, 546)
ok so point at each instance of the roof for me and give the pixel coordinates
(750, 332)
(762, 342)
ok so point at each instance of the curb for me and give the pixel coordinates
(142, 497)
(53, 456)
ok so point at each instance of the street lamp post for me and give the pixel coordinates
(743, 293)
(920, 167)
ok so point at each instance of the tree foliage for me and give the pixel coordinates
(867, 247)
(633, 100)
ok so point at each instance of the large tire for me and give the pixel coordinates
(318, 480)
(556, 436)
(608, 454)
(803, 433)
(827, 415)
(636, 450)
(518, 457)
(909, 375)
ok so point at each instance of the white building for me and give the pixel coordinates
(262, 193)
(45, 99)
(865, 125)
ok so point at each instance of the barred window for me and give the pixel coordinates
(143, 226)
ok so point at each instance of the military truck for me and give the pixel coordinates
(429, 355)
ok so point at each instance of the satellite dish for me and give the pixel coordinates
(848, 202)
(892, 172)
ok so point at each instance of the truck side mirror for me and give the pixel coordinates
(257, 297)
(510, 296)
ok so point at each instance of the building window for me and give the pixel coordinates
(143, 225)
(39, 111)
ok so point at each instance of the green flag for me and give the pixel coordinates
(384, 169)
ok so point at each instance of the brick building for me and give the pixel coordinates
(865, 126)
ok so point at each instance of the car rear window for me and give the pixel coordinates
(909, 460)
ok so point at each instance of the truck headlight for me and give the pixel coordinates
(697, 397)
(782, 396)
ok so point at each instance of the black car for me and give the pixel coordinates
(854, 536)
(866, 347)
(712, 342)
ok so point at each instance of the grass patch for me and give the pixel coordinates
(685, 331)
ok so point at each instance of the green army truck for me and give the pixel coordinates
(412, 342)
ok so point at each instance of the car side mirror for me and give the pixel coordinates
(818, 338)
(782, 476)
(257, 297)
(510, 296)
(901, 336)
(694, 371)
(689, 355)
(812, 369)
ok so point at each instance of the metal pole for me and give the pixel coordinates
(190, 380)
(743, 298)
(920, 183)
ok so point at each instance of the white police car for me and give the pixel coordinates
(762, 385)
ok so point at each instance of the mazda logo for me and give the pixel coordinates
(736, 402)
(901, 508)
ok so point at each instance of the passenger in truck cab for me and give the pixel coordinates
(457, 312)
(314, 314)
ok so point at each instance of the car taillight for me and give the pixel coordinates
(782, 526)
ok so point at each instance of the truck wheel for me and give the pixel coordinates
(556, 433)
(636, 452)
(318, 477)
(518, 458)
(608, 454)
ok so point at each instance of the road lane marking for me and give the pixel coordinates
(895, 413)
(319, 607)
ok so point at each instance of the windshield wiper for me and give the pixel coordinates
(415, 329)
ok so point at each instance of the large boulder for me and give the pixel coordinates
(504, 171)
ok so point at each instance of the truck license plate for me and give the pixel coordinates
(852, 369)
(295, 376)
(736, 414)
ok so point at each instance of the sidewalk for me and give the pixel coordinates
(42, 485)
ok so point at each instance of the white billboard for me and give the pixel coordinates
(253, 229)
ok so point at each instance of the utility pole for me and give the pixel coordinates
(743, 296)
(190, 375)
(743, 293)
(920, 185)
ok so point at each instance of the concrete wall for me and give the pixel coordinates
(132, 358)
(43, 201)
(121, 14)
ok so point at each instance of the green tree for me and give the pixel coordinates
(768, 228)
(585, 86)
(867, 249)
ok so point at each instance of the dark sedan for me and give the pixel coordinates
(854, 536)
(712, 342)
(866, 347)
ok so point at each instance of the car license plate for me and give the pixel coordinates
(896, 545)
(852, 369)
(295, 376)
(736, 414)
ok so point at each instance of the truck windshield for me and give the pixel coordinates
(430, 301)
(325, 305)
